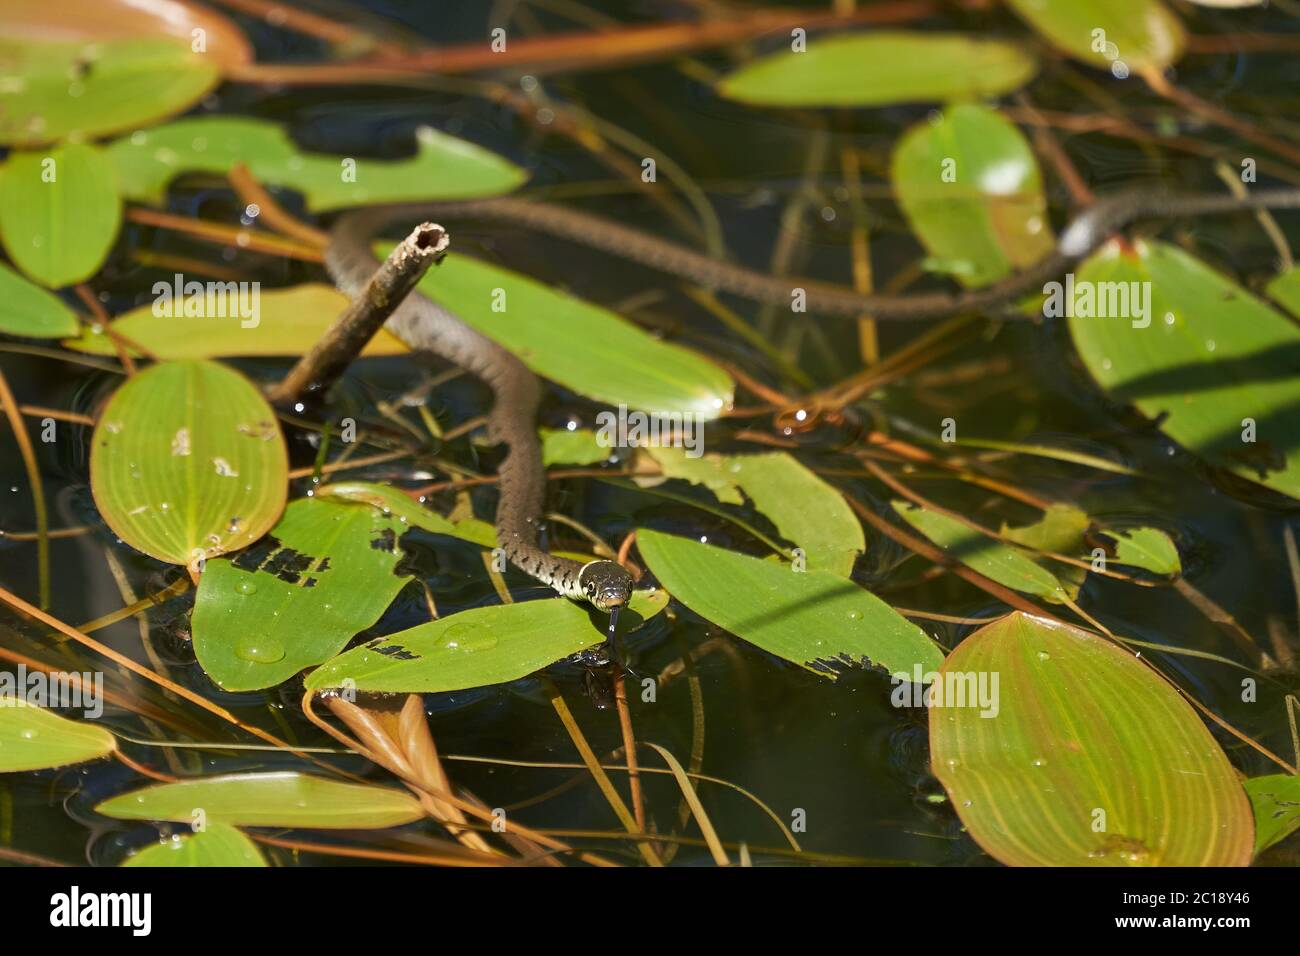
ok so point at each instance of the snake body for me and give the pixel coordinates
(423, 324)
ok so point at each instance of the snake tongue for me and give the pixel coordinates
(613, 620)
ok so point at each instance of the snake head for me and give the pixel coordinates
(606, 584)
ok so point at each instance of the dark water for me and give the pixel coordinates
(838, 751)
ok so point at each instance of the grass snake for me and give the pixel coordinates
(424, 325)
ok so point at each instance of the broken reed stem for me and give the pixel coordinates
(386, 290)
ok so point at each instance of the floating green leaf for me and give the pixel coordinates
(219, 844)
(882, 67)
(476, 648)
(33, 738)
(325, 572)
(393, 501)
(30, 311)
(579, 446)
(1284, 289)
(581, 346)
(971, 188)
(53, 91)
(293, 800)
(220, 323)
(1090, 759)
(1147, 548)
(1137, 33)
(59, 212)
(1210, 362)
(187, 462)
(443, 166)
(991, 558)
(1276, 802)
(1060, 530)
(815, 619)
(803, 508)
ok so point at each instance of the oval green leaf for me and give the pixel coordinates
(33, 738)
(1090, 758)
(804, 509)
(59, 90)
(291, 800)
(478, 647)
(323, 573)
(218, 845)
(990, 557)
(971, 188)
(1213, 364)
(1148, 548)
(30, 311)
(1276, 802)
(815, 619)
(443, 167)
(187, 462)
(59, 212)
(882, 67)
(1137, 33)
(211, 320)
(581, 346)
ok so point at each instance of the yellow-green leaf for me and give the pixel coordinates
(33, 738)
(187, 462)
(1276, 802)
(1103, 33)
(219, 844)
(28, 310)
(970, 186)
(1090, 759)
(478, 647)
(59, 90)
(59, 212)
(292, 800)
(325, 572)
(882, 67)
(581, 346)
(223, 321)
(815, 619)
(1202, 356)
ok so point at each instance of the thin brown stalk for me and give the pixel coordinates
(28, 453)
(224, 235)
(270, 212)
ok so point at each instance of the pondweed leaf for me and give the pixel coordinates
(1284, 289)
(815, 619)
(880, 68)
(395, 503)
(220, 323)
(218, 844)
(576, 446)
(325, 571)
(972, 191)
(55, 90)
(583, 347)
(1103, 33)
(443, 167)
(1086, 758)
(1208, 361)
(804, 509)
(30, 311)
(1002, 562)
(59, 212)
(1276, 802)
(187, 462)
(33, 738)
(292, 800)
(1148, 548)
(478, 647)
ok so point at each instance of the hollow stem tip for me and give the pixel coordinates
(430, 239)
